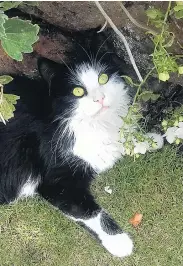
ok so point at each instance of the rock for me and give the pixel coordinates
(57, 18)
(74, 15)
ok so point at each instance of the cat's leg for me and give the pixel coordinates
(79, 205)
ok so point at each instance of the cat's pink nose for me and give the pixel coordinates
(101, 100)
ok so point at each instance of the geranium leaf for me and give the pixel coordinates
(6, 5)
(31, 3)
(7, 105)
(19, 37)
(5, 79)
(3, 17)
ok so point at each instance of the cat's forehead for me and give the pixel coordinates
(86, 73)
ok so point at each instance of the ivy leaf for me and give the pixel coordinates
(154, 13)
(3, 17)
(145, 96)
(7, 106)
(6, 5)
(154, 97)
(148, 95)
(5, 79)
(157, 23)
(178, 8)
(19, 37)
(129, 80)
(179, 14)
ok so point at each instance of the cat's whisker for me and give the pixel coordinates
(89, 56)
(102, 46)
(104, 55)
(69, 67)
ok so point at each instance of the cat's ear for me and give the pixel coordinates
(47, 69)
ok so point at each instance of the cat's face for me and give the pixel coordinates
(102, 90)
(92, 90)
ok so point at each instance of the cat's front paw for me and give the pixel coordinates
(119, 245)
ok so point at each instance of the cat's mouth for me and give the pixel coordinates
(101, 110)
(104, 108)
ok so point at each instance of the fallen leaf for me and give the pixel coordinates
(136, 219)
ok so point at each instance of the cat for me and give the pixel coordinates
(64, 132)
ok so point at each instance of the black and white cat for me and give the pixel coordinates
(65, 131)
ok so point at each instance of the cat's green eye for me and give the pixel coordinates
(78, 91)
(103, 79)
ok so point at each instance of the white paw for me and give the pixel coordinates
(158, 139)
(119, 245)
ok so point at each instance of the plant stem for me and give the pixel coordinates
(164, 21)
(165, 18)
(122, 37)
(135, 22)
(140, 85)
(162, 31)
(138, 91)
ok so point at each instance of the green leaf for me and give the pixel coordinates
(178, 8)
(179, 14)
(20, 35)
(7, 106)
(154, 96)
(6, 5)
(148, 95)
(180, 70)
(136, 108)
(163, 76)
(158, 23)
(145, 96)
(5, 79)
(3, 17)
(129, 80)
(171, 40)
(179, 3)
(31, 3)
(154, 13)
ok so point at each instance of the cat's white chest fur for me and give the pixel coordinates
(96, 121)
(97, 141)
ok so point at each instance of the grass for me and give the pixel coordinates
(34, 233)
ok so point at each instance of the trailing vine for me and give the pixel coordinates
(133, 137)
